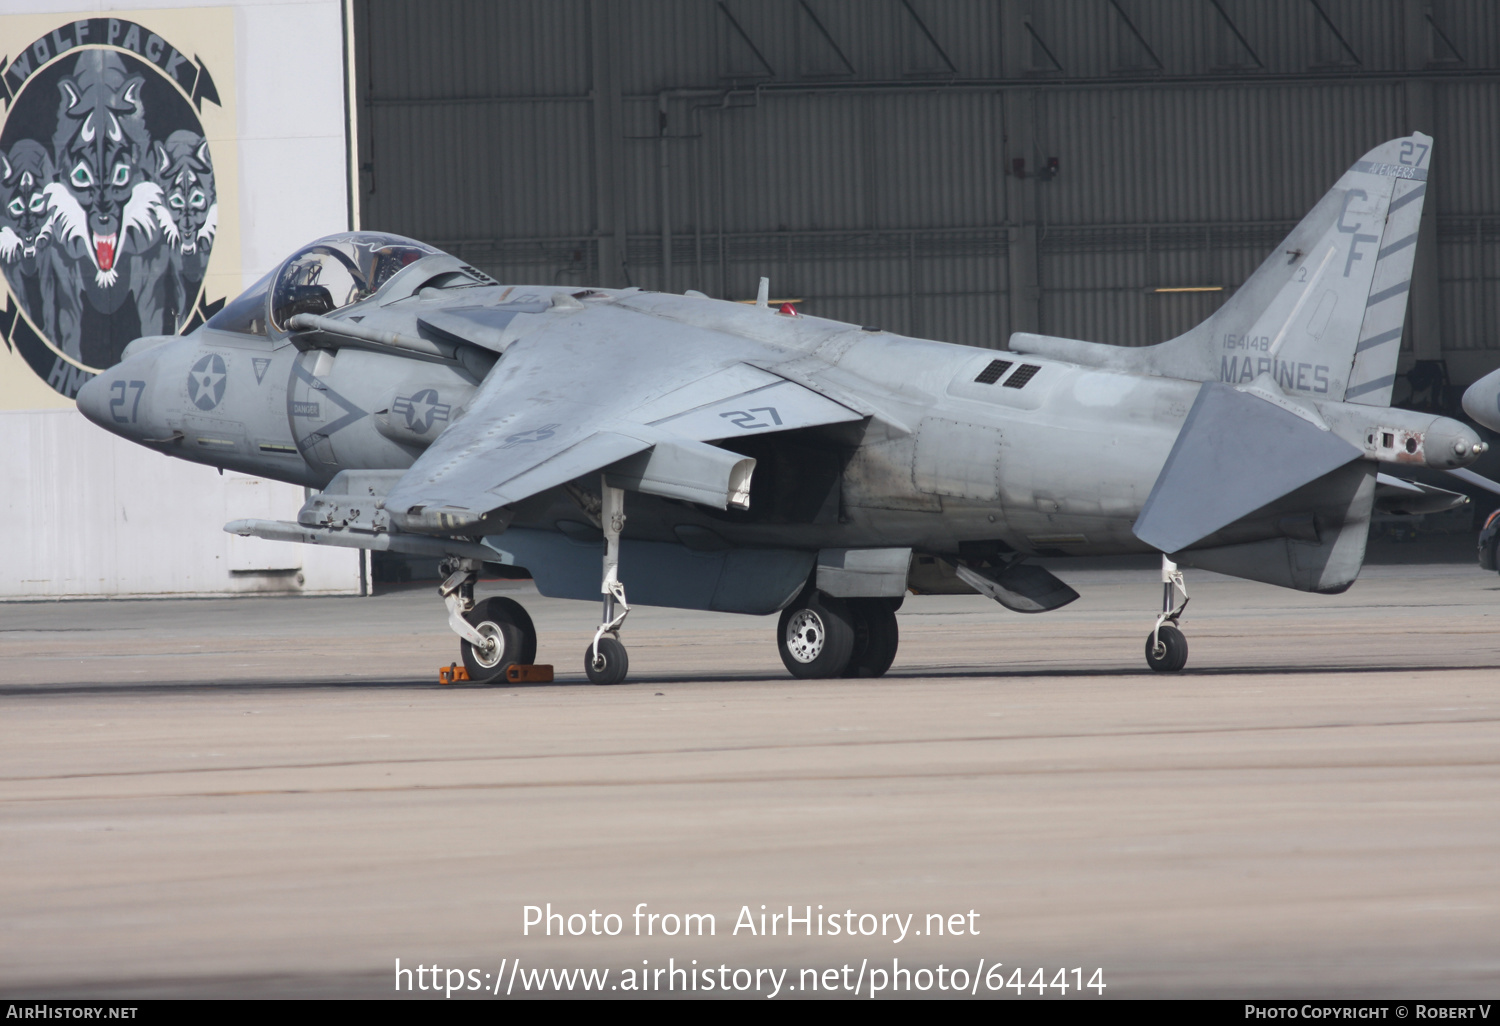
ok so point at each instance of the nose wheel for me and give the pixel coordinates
(511, 637)
(494, 634)
(1166, 645)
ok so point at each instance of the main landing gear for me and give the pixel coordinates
(1166, 646)
(823, 636)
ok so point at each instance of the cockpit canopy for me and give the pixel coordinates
(339, 270)
(327, 275)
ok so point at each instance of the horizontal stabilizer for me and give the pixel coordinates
(1235, 453)
(1398, 495)
(1022, 588)
(1477, 480)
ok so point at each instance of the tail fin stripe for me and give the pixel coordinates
(1398, 244)
(1390, 293)
(1401, 201)
(1371, 386)
(1375, 340)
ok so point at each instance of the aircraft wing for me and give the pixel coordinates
(606, 387)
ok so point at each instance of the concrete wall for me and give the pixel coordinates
(85, 514)
(103, 517)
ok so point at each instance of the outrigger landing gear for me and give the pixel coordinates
(605, 660)
(1166, 646)
(495, 634)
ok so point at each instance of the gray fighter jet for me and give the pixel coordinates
(770, 462)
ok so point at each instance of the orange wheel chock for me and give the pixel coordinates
(452, 674)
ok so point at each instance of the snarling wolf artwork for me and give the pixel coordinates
(109, 207)
(185, 172)
(32, 264)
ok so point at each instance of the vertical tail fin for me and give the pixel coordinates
(1322, 314)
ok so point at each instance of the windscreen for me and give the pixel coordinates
(247, 314)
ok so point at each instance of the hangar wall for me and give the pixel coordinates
(880, 158)
(83, 513)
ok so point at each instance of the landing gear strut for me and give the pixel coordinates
(1166, 646)
(605, 660)
(494, 634)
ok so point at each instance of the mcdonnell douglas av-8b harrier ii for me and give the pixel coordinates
(702, 454)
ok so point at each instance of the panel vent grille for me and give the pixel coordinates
(991, 374)
(1023, 374)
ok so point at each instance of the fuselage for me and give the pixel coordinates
(1043, 456)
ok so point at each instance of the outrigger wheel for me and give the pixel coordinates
(1166, 649)
(507, 627)
(1166, 645)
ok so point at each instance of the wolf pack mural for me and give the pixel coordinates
(108, 210)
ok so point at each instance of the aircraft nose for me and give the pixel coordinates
(118, 399)
(93, 400)
(1482, 400)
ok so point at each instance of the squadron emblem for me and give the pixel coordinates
(108, 205)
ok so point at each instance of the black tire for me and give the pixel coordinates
(1169, 652)
(505, 620)
(815, 636)
(611, 666)
(876, 637)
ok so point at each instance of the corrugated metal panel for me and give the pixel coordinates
(1090, 37)
(1218, 153)
(1469, 276)
(1471, 28)
(465, 49)
(1466, 148)
(478, 171)
(842, 161)
(888, 203)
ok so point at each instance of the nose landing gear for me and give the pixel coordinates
(494, 634)
(1166, 646)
